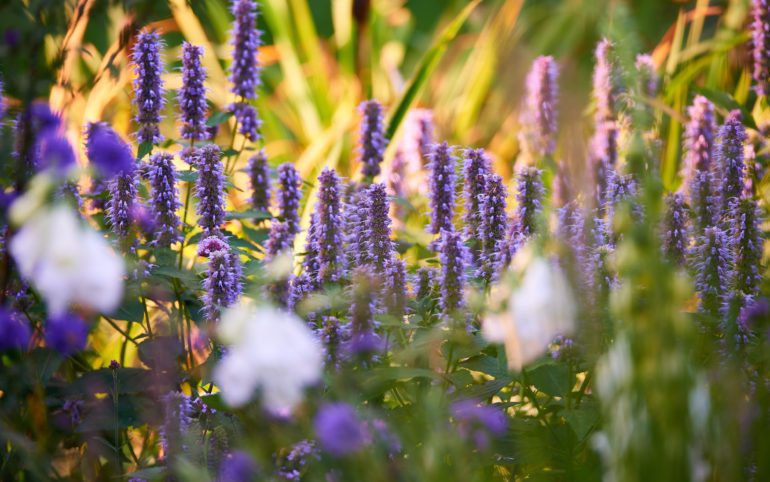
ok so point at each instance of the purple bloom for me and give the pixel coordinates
(148, 86)
(529, 198)
(355, 224)
(221, 285)
(248, 120)
(379, 244)
(675, 233)
(395, 287)
(729, 157)
(192, 95)
(363, 341)
(108, 152)
(747, 243)
(259, 176)
(54, 152)
(3, 104)
(66, 334)
(14, 331)
(244, 71)
(648, 77)
(373, 141)
(120, 206)
(339, 430)
(164, 200)
(754, 312)
(300, 287)
(210, 189)
(177, 411)
(537, 116)
(329, 235)
(426, 278)
(454, 258)
(288, 196)
(238, 466)
(571, 229)
(476, 422)
(698, 144)
(293, 464)
(606, 85)
(442, 188)
(425, 138)
(310, 263)
(333, 333)
(712, 260)
(760, 35)
(494, 222)
(476, 167)
(279, 241)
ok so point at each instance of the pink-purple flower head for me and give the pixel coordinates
(539, 112)
(149, 96)
(372, 137)
(192, 95)
(244, 71)
(108, 153)
(67, 333)
(339, 430)
(729, 157)
(760, 40)
(478, 423)
(442, 188)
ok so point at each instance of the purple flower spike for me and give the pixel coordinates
(476, 422)
(245, 70)
(760, 35)
(67, 334)
(192, 95)
(248, 120)
(289, 195)
(14, 331)
(220, 282)
(698, 145)
(426, 137)
(280, 240)
(300, 287)
(729, 157)
(311, 264)
(164, 201)
(3, 105)
(373, 142)
(238, 467)
(379, 244)
(747, 242)
(712, 260)
(339, 430)
(356, 215)
(108, 152)
(148, 86)
(494, 227)
(605, 83)
(529, 200)
(331, 261)
(648, 77)
(55, 153)
(363, 341)
(395, 287)
(259, 176)
(675, 233)
(210, 189)
(538, 114)
(454, 258)
(120, 206)
(442, 188)
(426, 279)
(753, 313)
(476, 167)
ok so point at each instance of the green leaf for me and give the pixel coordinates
(218, 118)
(582, 421)
(188, 176)
(144, 149)
(251, 214)
(131, 310)
(426, 66)
(550, 378)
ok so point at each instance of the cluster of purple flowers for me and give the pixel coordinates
(245, 71)
(148, 86)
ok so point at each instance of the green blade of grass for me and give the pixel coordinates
(425, 67)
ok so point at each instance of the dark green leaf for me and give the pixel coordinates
(550, 378)
(218, 118)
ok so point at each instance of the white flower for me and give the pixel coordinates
(541, 308)
(68, 262)
(270, 350)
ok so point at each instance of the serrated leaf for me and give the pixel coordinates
(582, 421)
(550, 378)
(144, 149)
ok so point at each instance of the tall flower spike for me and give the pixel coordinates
(729, 157)
(698, 142)
(288, 196)
(364, 341)
(310, 263)
(442, 188)
(476, 167)
(747, 242)
(426, 136)
(219, 284)
(192, 95)
(675, 233)
(120, 206)
(493, 228)
(648, 77)
(373, 141)
(537, 117)
(453, 258)
(164, 201)
(712, 260)
(331, 260)
(259, 177)
(529, 204)
(380, 246)
(148, 86)
(279, 241)
(249, 123)
(604, 143)
(355, 222)
(244, 71)
(395, 287)
(210, 189)
(107, 152)
(760, 36)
